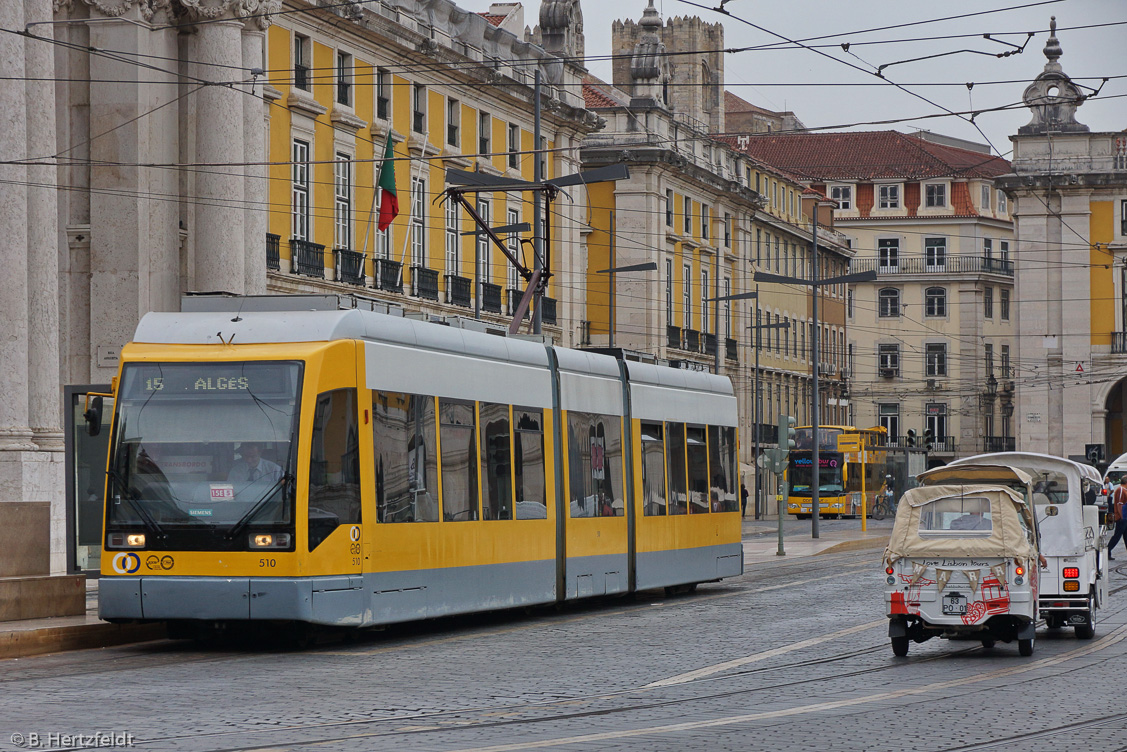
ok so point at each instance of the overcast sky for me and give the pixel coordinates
(762, 76)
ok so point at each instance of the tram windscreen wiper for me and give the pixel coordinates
(258, 507)
(118, 485)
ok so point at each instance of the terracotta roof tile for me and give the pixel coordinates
(867, 155)
(493, 18)
(593, 97)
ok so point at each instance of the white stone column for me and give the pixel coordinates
(254, 154)
(220, 233)
(45, 396)
(15, 433)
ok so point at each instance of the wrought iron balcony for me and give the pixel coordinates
(673, 336)
(383, 107)
(709, 343)
(350, 266)
(692, 340)
(273, 251)
(1119, 342)
(548, 310)
(950, 264)
(458, 290)
(999, 443)
(514, 301)
(490, 297)
(308, 258)
(730, 350)
(389, 275)
(424, 282)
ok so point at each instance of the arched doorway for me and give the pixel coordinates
(1114, 428)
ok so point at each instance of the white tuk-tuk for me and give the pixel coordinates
(1065, 499)
(962, 560)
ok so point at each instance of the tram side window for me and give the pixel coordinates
(334, 468)
(459, 460)
(406, 463)
(653, 469)
(722, 466)
(528, 464)
(675, 467)
(496, 463)
(595, 465)
(698, 469)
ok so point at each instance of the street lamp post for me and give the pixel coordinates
(1007, 413)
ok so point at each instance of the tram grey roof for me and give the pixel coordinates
(589, 382)
(675, 394)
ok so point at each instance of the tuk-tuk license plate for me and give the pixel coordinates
(954, 604)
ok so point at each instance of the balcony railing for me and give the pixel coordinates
(458, 290)
(692, 340)
(350, 266)
(490, 297)
(673, 336)
(730, 351)
(957, 264)
(514, 301)
(999, 443)
(548, 310)
(424, 282)
(273, 251)
(308, 258)
(389, 275)
(709, 344)
(1119, 342)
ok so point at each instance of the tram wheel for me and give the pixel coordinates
(1025, 647)
(900, 646)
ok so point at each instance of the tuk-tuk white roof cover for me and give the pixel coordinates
(1007, 538)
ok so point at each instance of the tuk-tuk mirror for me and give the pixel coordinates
(93, 415)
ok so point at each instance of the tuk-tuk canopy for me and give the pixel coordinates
(962, 521)
(975, 474)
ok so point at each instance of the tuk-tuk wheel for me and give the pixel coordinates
(900, 646)
(987, 642)
(1088, 631)
(1025, 647)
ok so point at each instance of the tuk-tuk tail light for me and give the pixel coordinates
(889, 570)
(1019, 570)
(1071, 572)
(1071, 586)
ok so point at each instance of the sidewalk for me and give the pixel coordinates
(38, 636)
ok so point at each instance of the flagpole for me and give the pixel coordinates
(376, 193)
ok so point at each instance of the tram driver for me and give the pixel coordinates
(253, 467)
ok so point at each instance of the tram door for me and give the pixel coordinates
(87, 428)
(335, 529)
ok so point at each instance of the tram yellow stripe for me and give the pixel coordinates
(737, 662)
(1115, 637)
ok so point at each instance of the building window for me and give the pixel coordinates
(705, 220)
(452, 238)
(418, 222)
(786, 336)
(988, 248)
(542, 158)
(688, 216)
(780, 262)
(344, 79)
(1004, 302)
(888, 254)
(988, 353)
(342, 201)
(705, 323)
(513, 242)
(383, 94)
(935, 420)
(687, 297)
(935, 254)
(419, 108)
(727, 307)
(988, 302)
(301, 62)
(668, 208)
(484, 131)
(849, 302)
(669, 292)
(889, 197)
(301, 230)
(514, 145)
(483, 243)
(453, 120)
(1006, 374)
(935, 195)
(935, 359)
(888, 302)
(1001, 202)
(888, 360)
(727, 230)
(935, 301)
(986, 198)
(843, 195)
(1003, 251)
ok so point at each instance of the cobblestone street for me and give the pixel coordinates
(792, 655)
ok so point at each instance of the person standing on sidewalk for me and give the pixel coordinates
(743, 500)
(1119, 515)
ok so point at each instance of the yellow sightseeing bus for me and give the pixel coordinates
(852, 462)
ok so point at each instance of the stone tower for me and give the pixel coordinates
(696, 81)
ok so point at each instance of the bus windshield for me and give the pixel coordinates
(829, 477)
(203, 445)
(827, 438)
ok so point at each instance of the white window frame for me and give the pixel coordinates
(704, 312)
(1002, 202)
(888, 254)
(483, 243)
(300, 207)
(514, 146)
(453, 239)
(935, 195)
(513, 241)
(419, 106)
(889, 418)
(344, 76)
(453, 123)
(988, 302)
(418, 221)
(888, 303)
(935, 359)
(687, 296)
(669, 292)
(687, 223)
(342, 201)
(888, 196)
(935, 255)
(705, 220)
(935, 304)
(669, 207)
(843, 195)
(986, 196)
(888, 358)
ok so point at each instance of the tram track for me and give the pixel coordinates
(1118, 718)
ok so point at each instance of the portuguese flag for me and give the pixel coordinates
(389, 202)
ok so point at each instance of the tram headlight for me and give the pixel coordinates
(270, 540)
(125, 540)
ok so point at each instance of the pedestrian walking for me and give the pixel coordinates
(743, 500)
(1119, 515)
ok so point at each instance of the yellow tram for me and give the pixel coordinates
(350, 467)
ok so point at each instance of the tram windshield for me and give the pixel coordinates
(204, 445)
